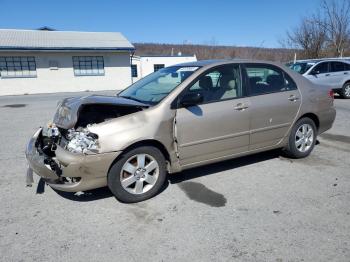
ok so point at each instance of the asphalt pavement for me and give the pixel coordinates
(263, 207)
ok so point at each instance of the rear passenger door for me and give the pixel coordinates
(339, 73)
(275, 102)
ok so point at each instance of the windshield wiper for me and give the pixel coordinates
(133, 98)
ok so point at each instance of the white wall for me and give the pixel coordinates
(145, 63)
(116, 65)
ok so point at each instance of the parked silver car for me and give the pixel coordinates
(179, 117)
(333, 73)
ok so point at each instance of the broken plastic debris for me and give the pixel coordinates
(79, 193)
(29, 177)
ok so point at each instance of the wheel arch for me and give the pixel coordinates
(347, 81)
(146, 142)
(313, 117)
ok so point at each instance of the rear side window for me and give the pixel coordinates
(347, 67)
(321, 68)
(337, 66)
(264, 79)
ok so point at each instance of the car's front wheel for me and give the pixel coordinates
(345, 91)
(302, 138)
(138, 174)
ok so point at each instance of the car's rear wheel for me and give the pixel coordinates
(345, 91)
(302, 138)
(137, 175)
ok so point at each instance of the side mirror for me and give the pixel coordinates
(191, 99)
(314, 73)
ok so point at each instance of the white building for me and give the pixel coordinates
(144, 65)
(34, 61)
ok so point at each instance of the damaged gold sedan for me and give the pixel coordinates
(177, 118)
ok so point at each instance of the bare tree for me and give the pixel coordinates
(309, 36)
(336, 24)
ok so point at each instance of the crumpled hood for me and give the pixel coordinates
(68, 109)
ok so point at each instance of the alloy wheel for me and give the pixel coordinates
(347, 90)
(139, 174)
(304, 138)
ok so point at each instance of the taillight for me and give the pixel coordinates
(331, 94)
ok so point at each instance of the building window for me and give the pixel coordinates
(157, 67)
(88, 66)
(17, 66)
(134, 70)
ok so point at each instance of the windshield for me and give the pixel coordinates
(300, 67)
(154, 87)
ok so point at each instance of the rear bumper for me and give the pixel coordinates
(326, 119)
(90, 169)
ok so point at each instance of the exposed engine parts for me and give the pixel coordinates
(48, 140)
(82, 141)
(53, 165)
(76, 141)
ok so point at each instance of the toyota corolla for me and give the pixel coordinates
(177, 118)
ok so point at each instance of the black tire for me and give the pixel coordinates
(114, 175)
(291, 150)
(344, 92)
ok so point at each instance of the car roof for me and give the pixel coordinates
(314, 61)
(214, 62)
(335, 60)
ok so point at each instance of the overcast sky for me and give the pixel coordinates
(223, 22)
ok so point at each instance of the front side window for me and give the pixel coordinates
(337, 67)
(17, 66)
(88, 66)
(157, 67)
(301, 68)
(321, 68)
(154, 87)
(134, 70)
(221, 83)
(264, 79)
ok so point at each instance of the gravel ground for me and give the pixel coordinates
(258, 208)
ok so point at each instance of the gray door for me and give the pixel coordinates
(320, 74)
(339, 73)
(220, 125)
(275, 101)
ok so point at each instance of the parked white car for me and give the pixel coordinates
(332, 73)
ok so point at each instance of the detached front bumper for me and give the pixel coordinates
(90, 171)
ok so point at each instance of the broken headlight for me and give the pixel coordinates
(64, 113)
(82, 141)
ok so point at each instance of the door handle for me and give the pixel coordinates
(293, 98)
(346, 73)
(240, 107)
(327, 74)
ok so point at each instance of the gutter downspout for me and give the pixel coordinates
(131, 56)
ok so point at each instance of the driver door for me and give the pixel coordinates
(219, 126)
